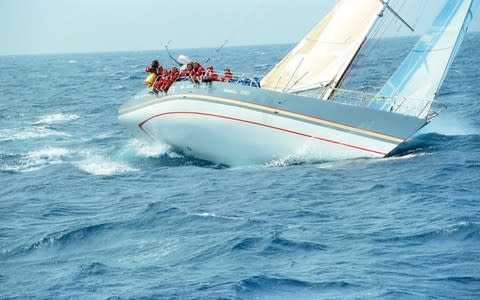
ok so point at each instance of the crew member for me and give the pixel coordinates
(210, 75)
(170, 79)
(197, 73)
(157, 85)
(154, 68)
(227, 75)
(185, 73)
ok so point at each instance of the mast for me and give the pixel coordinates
(340, 76)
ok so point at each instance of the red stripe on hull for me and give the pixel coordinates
(258, 124)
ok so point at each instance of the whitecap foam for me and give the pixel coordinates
(403, 157)
(49, 152)
(72, 61)
(455, 227)
(96, 164)
(119, 87)
(29, 133)
(38, 159)
(56, 118)
(128, 77)
(214, 215)
(306, 153)
(287, 161)
(151, 150)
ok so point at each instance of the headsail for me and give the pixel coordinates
(323, 56)
(415, 83)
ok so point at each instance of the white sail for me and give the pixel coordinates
(323, 56)
(415, 83)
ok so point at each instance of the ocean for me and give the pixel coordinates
(89, 212)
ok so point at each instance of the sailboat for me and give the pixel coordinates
(301, 106)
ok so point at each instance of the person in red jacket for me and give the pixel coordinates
(227, 75)
(155, 68)
(166, 80)
(197, 73)
(210, 75)
(187, 71)
(170, 79)
(160, 82)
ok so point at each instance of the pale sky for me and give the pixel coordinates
(67, 26)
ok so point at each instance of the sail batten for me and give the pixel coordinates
(327, 51)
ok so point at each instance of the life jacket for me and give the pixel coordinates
(227, 76)
(198, 71)
(184, 73)
(211, 75)
(158, 69)
(159, 83)
(174, 75)
(214, 76)
(150, 79)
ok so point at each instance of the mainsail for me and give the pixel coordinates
(413, 86)
(323, 56)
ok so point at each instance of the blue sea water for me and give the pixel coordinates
(87, 211)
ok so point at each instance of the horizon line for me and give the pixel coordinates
(149, 50)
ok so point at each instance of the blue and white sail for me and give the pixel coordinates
(415, 83)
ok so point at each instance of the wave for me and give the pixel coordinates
(248, 243)
(162, 155)
(460, 231)
(131, 77)
(269, 287)
(156, 207)
(291, 160)
(461, 279)
(29, 133)
(450, 125)
(150, 150)
(56, 118)
(49, 153)
(88, 161)
(60, 240)
(434, 142)
(262, 281)
(34, 160)
(159, 211)
(92, 269)
(119, 88)
(215, 216)
(96, 164)
(276, 245)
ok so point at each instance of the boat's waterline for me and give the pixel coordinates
(215, 125)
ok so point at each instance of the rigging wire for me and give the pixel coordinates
(374, 39)
(379, 31)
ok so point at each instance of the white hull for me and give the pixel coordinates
(211, 128)
(238, 136)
